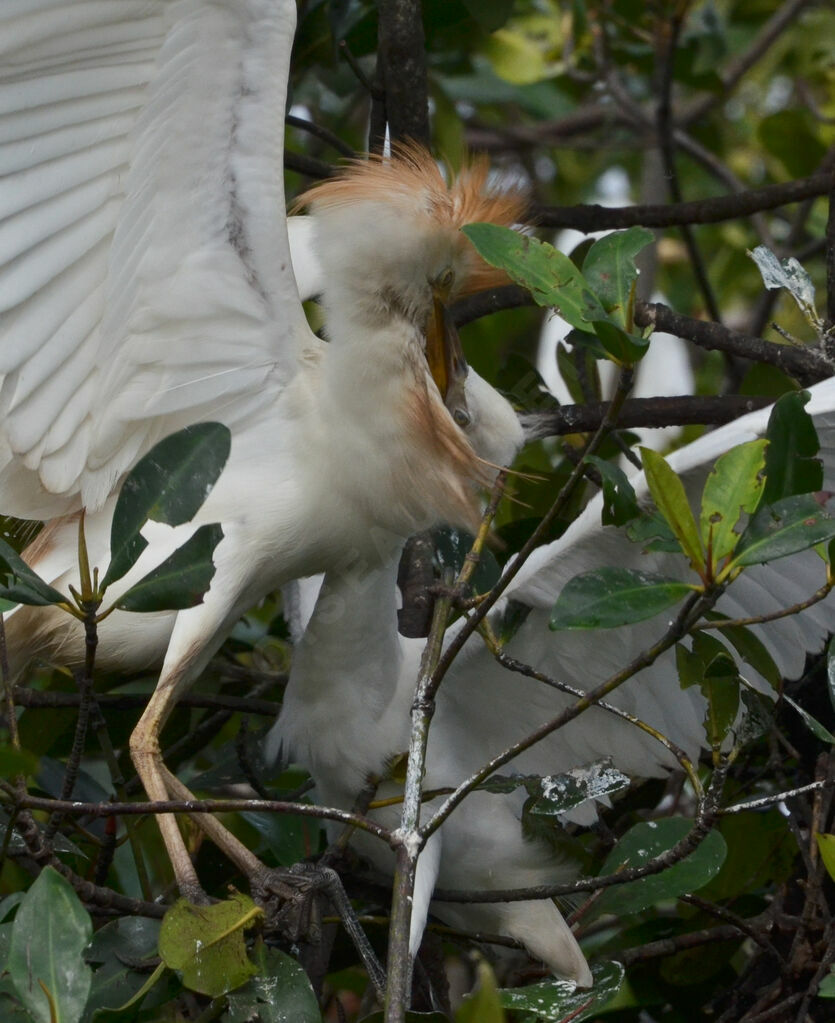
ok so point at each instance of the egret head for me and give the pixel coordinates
(389, 240)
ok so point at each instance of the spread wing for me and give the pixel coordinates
(145, 274)
(488, 707)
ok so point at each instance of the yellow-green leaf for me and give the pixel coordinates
(671, 500)
(826, 844)
(733, 488)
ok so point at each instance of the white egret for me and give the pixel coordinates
(146, 283)
(351, 656)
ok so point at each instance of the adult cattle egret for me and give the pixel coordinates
(146, 284)
(350, 655)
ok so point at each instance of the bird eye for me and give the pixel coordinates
(446, 279)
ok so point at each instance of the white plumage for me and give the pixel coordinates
(146, 283)
(482, 708)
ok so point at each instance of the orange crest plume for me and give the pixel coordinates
(410, 179)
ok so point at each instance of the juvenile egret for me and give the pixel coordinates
(146, 283)
(351, 656)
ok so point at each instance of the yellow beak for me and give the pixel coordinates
(447, 363)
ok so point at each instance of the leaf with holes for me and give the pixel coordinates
(206, 943)
(169, 485)
(550, 276)
(181, 580)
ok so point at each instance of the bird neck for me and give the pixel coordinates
(400, 454)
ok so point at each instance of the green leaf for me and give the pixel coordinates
(609, 268)
(559, 793)
(117, 945)
(619, 502)
(280, 993)
(826, 845)
(644, 842)
(751, 649)
(709, 666)
(21, 584)
(181, 580)
(16, 761)
(653, 533)
(206, 943)
(490, 14)
(609, 597)
(50, 932)
(169, 485)
(550, 276)
(623, 348)
(554, 1001)
(671, 500)
(791, 465)
(827, 985)
(791, 525)
(733, 489)
(720, 687)
(567, 365)
(812, 723)
(483, 1005)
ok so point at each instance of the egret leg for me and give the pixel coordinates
(147, 759)
(262, 879)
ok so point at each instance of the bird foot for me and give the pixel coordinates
(291, 900)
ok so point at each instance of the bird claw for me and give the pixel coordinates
(291, 900)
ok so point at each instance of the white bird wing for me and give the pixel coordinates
(145, 275)
(484, 708)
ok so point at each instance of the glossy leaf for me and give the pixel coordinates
(623, 348)
(550, 276)
(609, 268)
(206, 943)
(115, 950)
(791, 465)
(619, 502)
(280, 993)
(751, 649)
(671, 500)
(22, 585)
(791, 525)
(609, 597)
(733, 488)
(181, 580)
(710, 667)
(554, 1001)
(169, 485)
(815, 727)
(50, 933)
(642, 843)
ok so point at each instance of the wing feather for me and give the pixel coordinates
(145, 275)
(500, 707)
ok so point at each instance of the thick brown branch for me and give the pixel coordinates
(36, 700)
(647, 412)
(592, 217)
(806, 364)
(402, 61)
